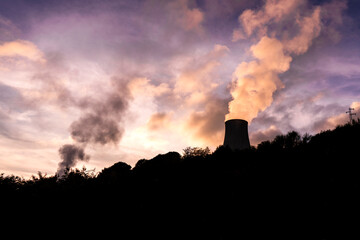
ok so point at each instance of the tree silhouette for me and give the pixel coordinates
(195, 152)
(291, 187)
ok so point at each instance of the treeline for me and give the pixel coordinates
(293, 187)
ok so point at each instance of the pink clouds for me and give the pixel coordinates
(196, 86)
(21, 48)
(158, 121)
(188, 19)
(144, 87)
(198, 112)
(196, 80)
(207, 126)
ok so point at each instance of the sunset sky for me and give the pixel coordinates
(126, 80)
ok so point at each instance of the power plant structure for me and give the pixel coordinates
(236, 134)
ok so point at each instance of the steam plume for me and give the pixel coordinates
(255, 82)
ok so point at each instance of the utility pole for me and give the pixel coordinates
(351, 114)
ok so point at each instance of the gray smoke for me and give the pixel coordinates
(101, 123)
(70, 154)
(96, 128)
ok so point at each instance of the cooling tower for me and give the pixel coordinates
(236, 134)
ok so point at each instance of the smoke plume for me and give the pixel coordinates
(255, 82)
(70, 154)
(101, 123)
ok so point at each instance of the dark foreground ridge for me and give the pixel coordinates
(290, 188)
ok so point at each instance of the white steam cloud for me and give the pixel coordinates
(255, 82)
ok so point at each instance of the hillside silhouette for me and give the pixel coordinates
(293, 187)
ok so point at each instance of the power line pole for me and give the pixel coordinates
(351, 114)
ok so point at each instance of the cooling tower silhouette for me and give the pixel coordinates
(236, 134)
